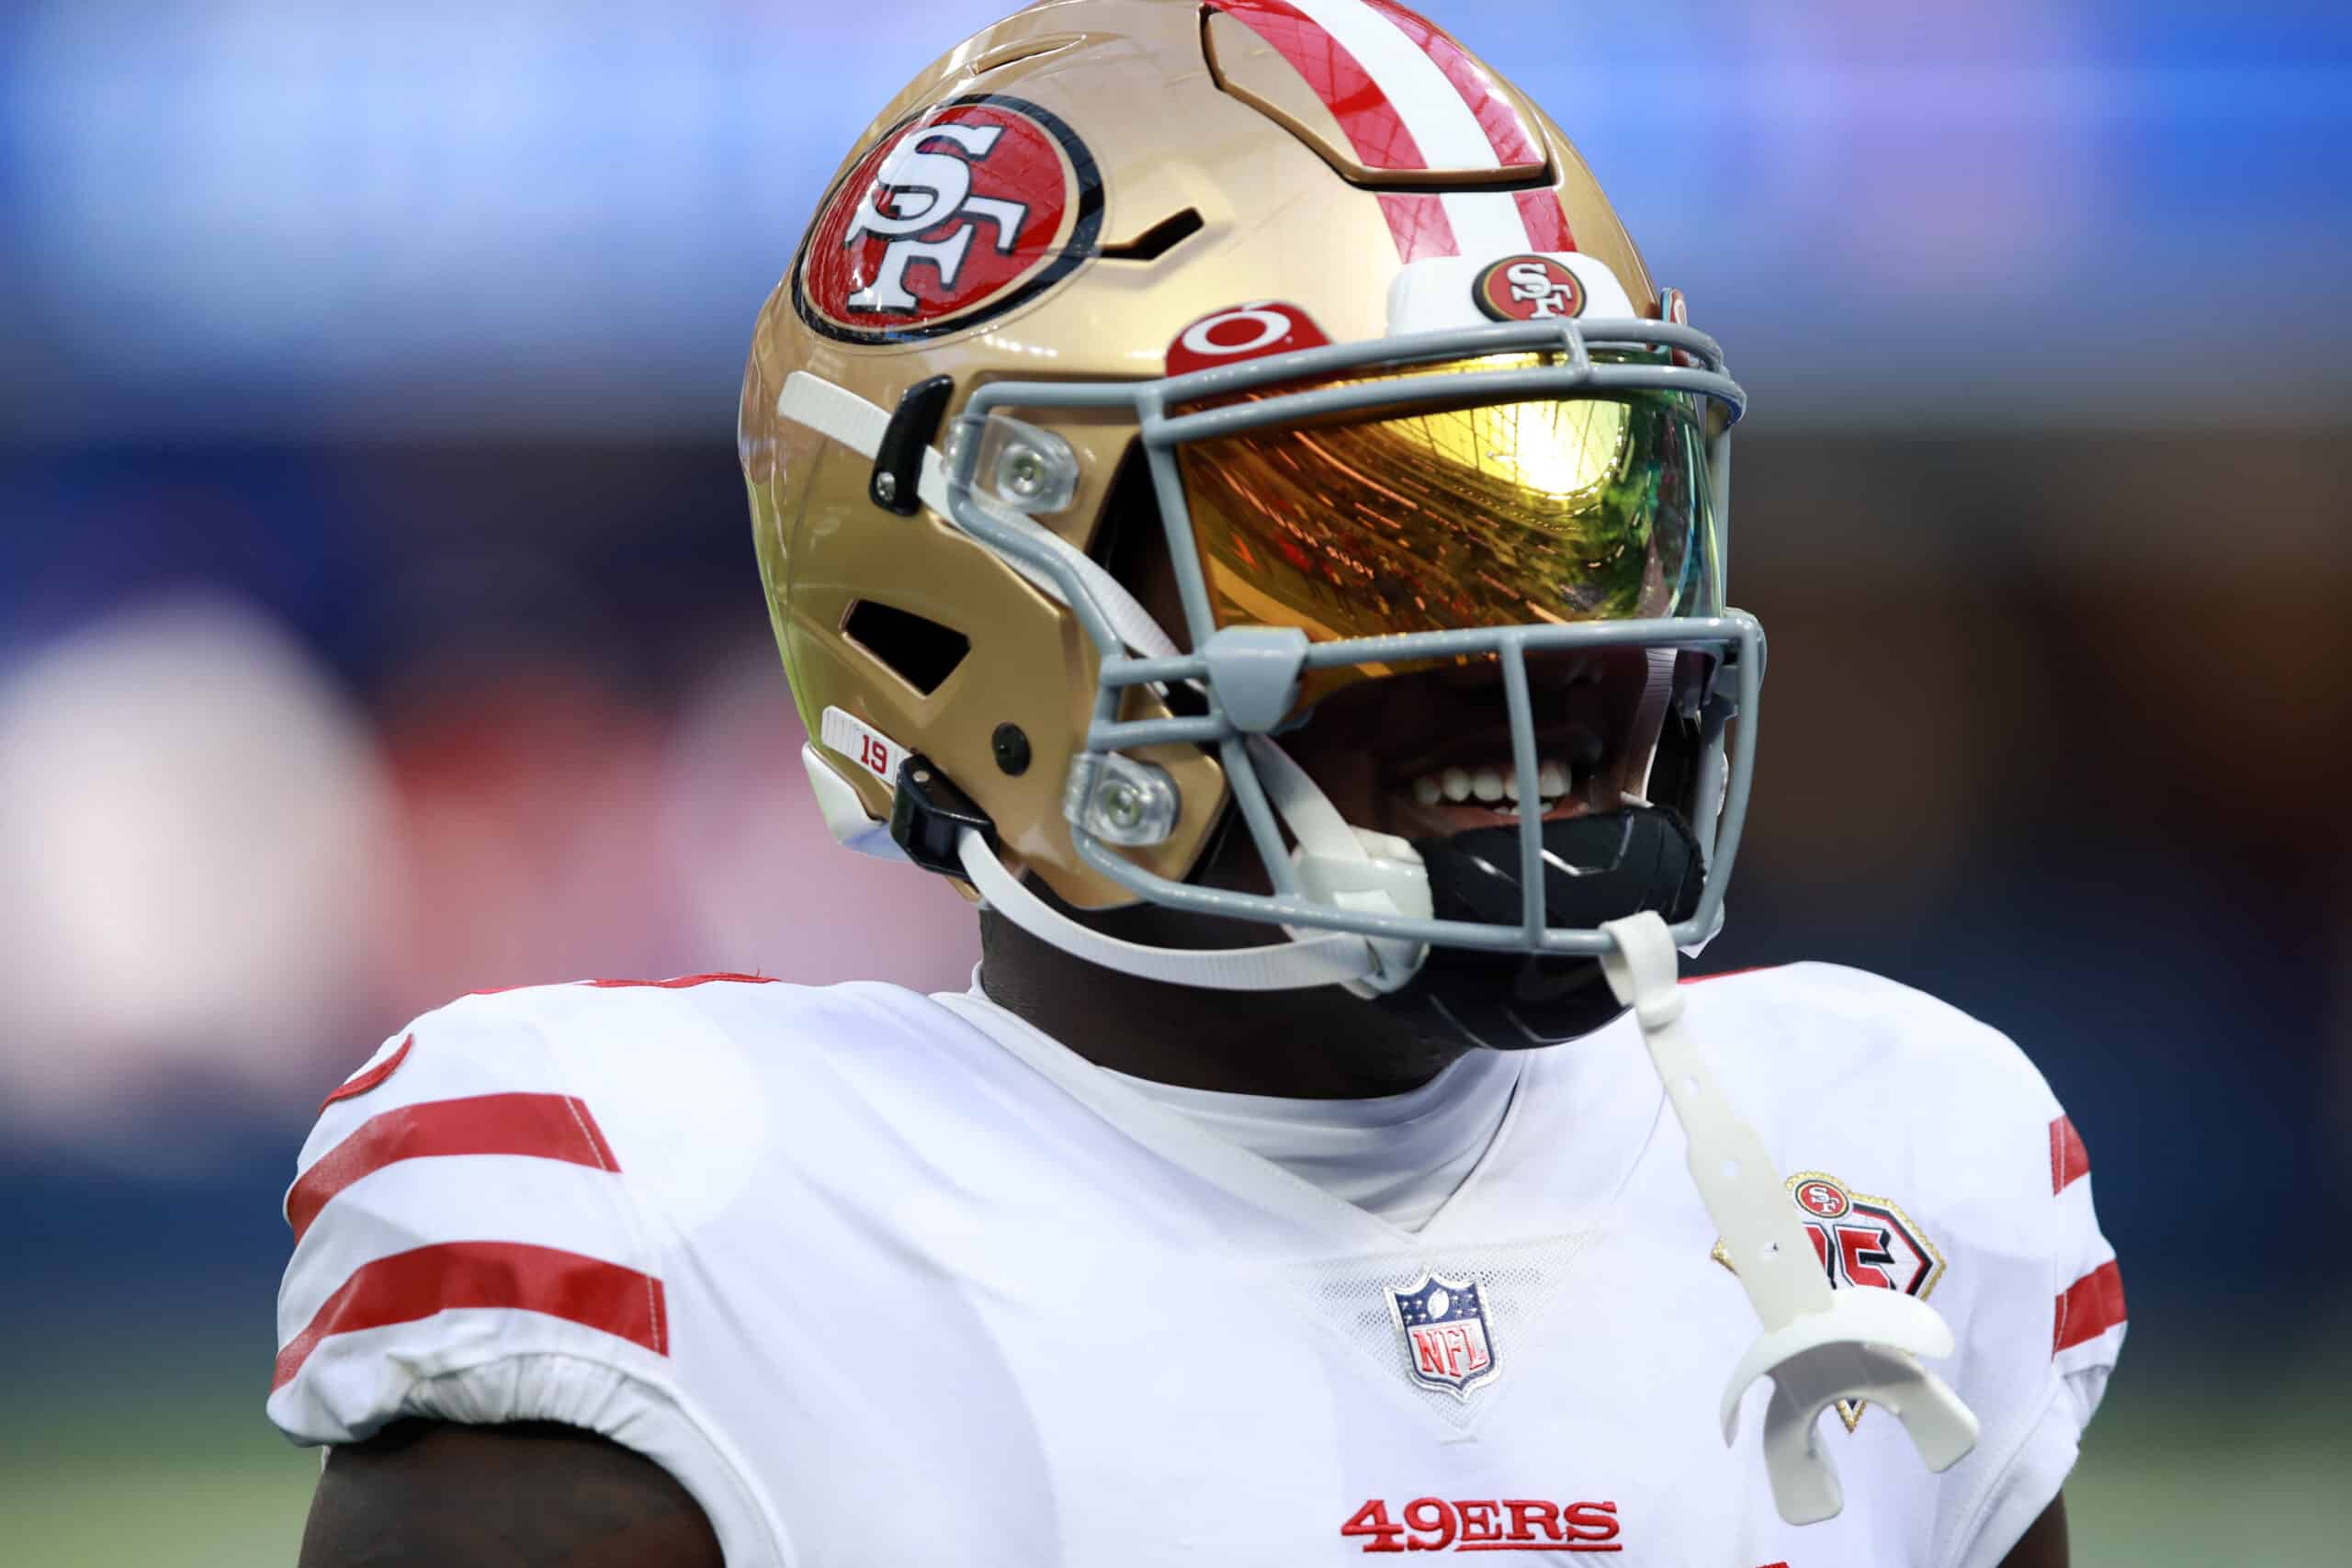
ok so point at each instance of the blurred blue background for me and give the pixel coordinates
(379, 621)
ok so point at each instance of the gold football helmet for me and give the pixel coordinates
(1342, 323)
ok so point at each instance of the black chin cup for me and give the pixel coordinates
(1596, 869)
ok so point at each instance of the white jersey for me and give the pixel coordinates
(885, 1278)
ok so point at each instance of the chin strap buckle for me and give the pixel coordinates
(929, 815)
(1378, 875)
(1819, 1344)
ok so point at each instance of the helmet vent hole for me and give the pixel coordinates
(1158, 240)
(921, 652)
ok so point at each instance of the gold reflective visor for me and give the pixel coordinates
(1443, 518)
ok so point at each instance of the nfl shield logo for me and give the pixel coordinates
(1444, 1324)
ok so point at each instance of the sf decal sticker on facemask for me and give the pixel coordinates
(950, 220)
(1860, 1240)
(1529, 288)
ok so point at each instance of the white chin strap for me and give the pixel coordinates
(1327, 958)
(1351, 868)
(1337, 864)
(1819, 1344)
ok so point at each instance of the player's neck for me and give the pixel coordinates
(1318, 1044)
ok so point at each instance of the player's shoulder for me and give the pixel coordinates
(1886, 1087)
(549, 1169)
(665, 1069)
(616, 1032)
(1815, 1026)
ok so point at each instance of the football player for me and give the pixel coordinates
(1235, 505)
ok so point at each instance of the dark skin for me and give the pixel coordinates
(427, 1495)
(1363, 747)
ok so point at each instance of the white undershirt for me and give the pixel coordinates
(1400, 1156)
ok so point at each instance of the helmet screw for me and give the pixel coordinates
(885, 488)
(1024, 471)
(1012, 748)
(1122, 806)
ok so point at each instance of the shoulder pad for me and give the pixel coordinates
(511, 1173)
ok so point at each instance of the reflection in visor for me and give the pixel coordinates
(1506, 514)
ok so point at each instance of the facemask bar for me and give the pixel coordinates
(1265, 662)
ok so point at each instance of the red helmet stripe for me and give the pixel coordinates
(1421, 228)
(1365, 112)
(1402, 93)
(1546, 220)
(1515, 145)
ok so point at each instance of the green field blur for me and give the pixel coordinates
(177, 1468)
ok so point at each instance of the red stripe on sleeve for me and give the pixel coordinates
(408, 1286)
(1514, 143)
(1373, 128)
(537, 1126)
(2088, 1307)
(2068, 1159)
(360, 1083)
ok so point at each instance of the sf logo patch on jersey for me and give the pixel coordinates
(951, 220)
(1860, 1240)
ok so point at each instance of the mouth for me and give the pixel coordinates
(1430, 755)
(1481, 789)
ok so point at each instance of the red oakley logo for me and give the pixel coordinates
(1244, 332)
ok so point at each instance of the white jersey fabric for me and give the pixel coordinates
(1398, 1158)
(884, 1277)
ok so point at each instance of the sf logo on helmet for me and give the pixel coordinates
(959, 214)
(1529, 288)
(924, 189)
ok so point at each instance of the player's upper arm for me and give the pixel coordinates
(2003, 1186)
(422, 1494)
(1948, 1124)
(2045, 1544)
(460, 1204)
(487, 1230)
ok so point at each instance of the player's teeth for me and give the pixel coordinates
(1511, 784)
(1456, 783)
(1552, 779)
(1426, 790)
(1486, 784)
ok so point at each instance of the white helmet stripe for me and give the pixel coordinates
(1487, 224)
(1438, 109)
(1432, 108)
